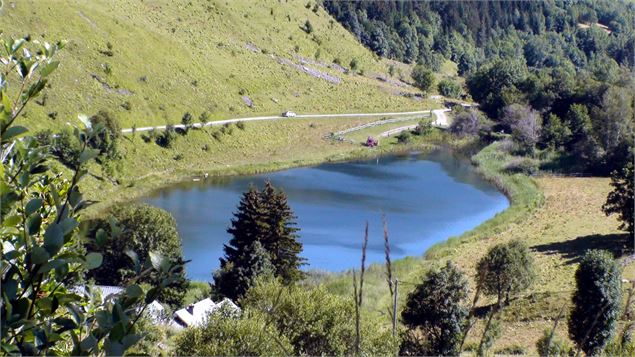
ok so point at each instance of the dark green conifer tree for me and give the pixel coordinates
(264, 218)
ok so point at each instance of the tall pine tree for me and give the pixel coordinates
(264, 218)
(281, 238)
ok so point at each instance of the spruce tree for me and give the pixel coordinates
(263, 217)
(281, 239)
(246, 227)
(236, 277)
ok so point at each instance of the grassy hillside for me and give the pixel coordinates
(151, 61)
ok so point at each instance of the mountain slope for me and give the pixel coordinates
(151, 61)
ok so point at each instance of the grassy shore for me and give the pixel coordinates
(559, 218)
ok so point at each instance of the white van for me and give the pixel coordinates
(289, 114)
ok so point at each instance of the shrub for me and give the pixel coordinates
(44, 137)
(145, 228)
(66, 148)
(466, 123)
(354, 65)
(404, 137)
(315, 321)
(308, 27)
(424, 127)
(423, 78)
(449, 88)
(249, 335)
(436, 308)
(167, 138)
(240, 125)
(106, 141)
(126, 105)
(596, 302)
(187, 121)
(506, 269)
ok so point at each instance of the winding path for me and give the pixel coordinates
(441, 121)
(279, 117)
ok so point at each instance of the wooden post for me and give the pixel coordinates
(394, 309)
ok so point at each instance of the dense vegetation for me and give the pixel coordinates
(570, 79)
(142, 229)
(47, 307)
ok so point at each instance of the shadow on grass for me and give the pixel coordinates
(572, 250)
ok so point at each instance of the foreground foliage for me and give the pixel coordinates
(45, 310)
(143, 229)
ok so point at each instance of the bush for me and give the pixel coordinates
(423, 78)
(316, 322)
(167, 138)
(308, 27)
(106, 141)
(145, 229)
(596, 302)
(354, 65)
(506, 269)
(404, 137)
(249, 335)
(66, 148)
(187, 121)
(466, 123)
(424, 127)
(240, 125)
(449, 88)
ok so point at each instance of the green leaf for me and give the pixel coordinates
(50, 265)
(32, 206)
(88, 343)
(6, 103)
(53, 238)
(113, 348)
(134, 291)
(157, 260)
(101, 237)
(10, 288)
(88, 154)
(85, 120)
(93, 260)
(130, 340)
(68, 225)
(49, 68)
(13, 131)
(33, 223)
(11, 221)
(117, 332)
(39, 255)
(17, 44)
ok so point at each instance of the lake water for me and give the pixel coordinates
(426, 199)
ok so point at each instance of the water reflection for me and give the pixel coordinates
(426, 198)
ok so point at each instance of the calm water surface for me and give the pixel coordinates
(426, 198)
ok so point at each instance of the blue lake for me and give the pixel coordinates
(426, 198)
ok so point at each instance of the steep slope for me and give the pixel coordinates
(151, 61)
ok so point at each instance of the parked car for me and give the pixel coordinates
(289, 114)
